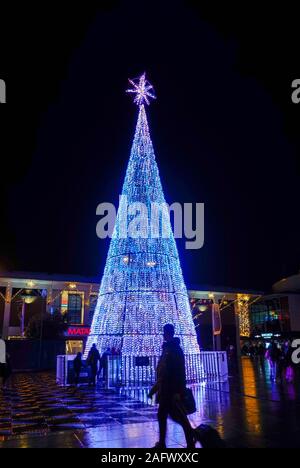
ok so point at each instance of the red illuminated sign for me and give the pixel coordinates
(78, 331)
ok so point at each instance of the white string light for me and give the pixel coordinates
(142, 287)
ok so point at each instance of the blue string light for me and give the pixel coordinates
(142, 287)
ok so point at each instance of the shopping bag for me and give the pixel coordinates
(188, 401)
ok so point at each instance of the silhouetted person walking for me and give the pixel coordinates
(261, 351)
(170, 387)
(92, 360)
(104, 363)
(77, 363)
(273, 355)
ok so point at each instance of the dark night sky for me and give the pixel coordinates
(224, 128)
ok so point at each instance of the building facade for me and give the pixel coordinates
(26, 297)
(221, 315)
(278, 314)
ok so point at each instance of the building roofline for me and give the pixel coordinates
(71, 278)
(223, 289)
(51, 277)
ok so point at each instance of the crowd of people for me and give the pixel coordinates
(97, 363)
(170, 388)
(278, 354)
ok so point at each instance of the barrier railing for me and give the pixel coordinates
(130, 371)
(138, 372)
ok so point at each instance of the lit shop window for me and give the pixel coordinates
(74, 346)
(75, 308)
(72, 304)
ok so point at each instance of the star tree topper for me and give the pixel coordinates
(141, 89)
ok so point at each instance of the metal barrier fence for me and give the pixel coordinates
(132, 371)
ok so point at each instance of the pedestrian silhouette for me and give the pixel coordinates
(77, 364)
(104, 363)
(92, 361)
(170, 388)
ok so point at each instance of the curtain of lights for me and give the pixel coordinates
(242, 308)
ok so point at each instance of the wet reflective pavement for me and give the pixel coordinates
(250, 411)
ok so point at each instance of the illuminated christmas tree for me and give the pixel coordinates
(142, 287)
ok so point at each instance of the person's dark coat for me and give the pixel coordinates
(93, 358)
(275, 353)
(171, 378)
(261, 350)
(104, 359)
(77, 364)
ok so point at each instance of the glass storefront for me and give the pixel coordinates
(75, 312)
(72, 307)
(270, 315)
(74, 346)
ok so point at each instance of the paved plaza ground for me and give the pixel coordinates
(250, 411)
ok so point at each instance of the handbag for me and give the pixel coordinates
(188, 401)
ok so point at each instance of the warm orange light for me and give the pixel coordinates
(29, 299)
